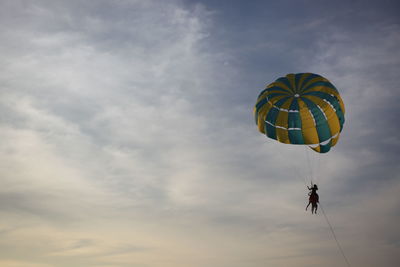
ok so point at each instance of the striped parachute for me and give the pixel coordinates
(302, 108)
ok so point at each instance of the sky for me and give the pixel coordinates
(128, 138)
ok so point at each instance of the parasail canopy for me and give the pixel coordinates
(301, 109)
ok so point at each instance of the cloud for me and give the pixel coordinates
(128, 139)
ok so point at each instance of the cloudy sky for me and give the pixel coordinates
(127, 134)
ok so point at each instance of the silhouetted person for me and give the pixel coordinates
(313, 199)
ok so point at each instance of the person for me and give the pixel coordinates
(313, 198)
(313, 189)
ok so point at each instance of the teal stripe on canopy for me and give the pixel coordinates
(273, 95)
(261, 103)
(297, 81)
(262, 92)
(334, 101)
(322, 126)
(285, 81)
(306, 80)
(272, 116)
(325, 148)
(319, 83)
(277, 88)
(294, 121)
(323, 95)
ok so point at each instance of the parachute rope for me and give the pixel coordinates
(334, 236)
(296, 171)
(317, 170)
(309, 166)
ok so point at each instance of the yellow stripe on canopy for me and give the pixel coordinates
(282, 121)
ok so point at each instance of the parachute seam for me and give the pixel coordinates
(312, 116)
(290, 129)
(323, 112)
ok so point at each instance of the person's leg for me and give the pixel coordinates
(308, 205)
